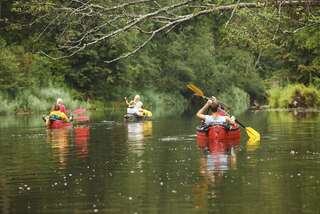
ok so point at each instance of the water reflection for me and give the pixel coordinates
(215, 161)
(281, 173)
(137, 131)
(81, 137)
(218, 157)
(60, 140)
(252, 144)
(221, 157)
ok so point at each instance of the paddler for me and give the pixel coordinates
(56, 114)
(61, 105)
(215, 118)
(134, 107)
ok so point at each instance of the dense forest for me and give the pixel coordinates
(97, 52)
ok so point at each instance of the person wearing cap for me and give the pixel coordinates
(61, 105)
(134, 107)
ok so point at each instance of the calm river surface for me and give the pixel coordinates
(109, 166)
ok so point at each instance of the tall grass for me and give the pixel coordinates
(162, 104)
(39, 100)
(294, 95)
(237, 99)
(6, 106)
(166, 104)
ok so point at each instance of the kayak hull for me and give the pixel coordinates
(217, 135)
(58, 124)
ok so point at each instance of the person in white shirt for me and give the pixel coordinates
(215, 118)
(134, 107)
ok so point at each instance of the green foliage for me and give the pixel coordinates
(256, 50)
(237, 99)
(294, 95)
(39, 100)
(164, 104)
(6, 106)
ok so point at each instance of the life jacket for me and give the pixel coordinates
(58, 115)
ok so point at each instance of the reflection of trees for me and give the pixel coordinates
(20, 121)
(286, 123)
(4, 199)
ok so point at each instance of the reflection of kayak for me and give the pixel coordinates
(207, 138)
(57, 124)
(147, 115)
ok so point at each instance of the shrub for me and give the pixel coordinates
(237, 99)
(293, 96)
(6, 106)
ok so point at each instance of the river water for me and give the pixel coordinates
(109, 166)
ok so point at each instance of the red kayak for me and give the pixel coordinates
(215, 135)
(57, 124)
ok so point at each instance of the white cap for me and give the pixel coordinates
(136, 98)
(59, 101)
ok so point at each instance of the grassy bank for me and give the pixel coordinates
(38, 101)
(160, 103)
(294, 96)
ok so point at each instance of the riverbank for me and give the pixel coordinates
(269, 108)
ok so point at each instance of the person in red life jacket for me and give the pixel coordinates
(61, 105)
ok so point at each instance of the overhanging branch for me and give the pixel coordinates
(95, 23)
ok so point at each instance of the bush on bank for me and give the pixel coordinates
(294, 96)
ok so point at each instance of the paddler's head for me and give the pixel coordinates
(136, 98)
(214, 106)
(55, 107)
(59, 101)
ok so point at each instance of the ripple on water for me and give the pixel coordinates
(183, 138)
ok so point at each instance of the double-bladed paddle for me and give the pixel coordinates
(253, 134)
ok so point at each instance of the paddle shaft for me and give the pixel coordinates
(243, 126)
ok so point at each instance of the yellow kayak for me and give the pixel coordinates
(147, 113)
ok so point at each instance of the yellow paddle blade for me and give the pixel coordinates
(253, 133)
(252, 144)
(197, 91)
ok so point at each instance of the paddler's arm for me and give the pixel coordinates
(230, 120)
(200, 113)
(126, 99)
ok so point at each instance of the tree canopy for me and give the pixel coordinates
(108, 49)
